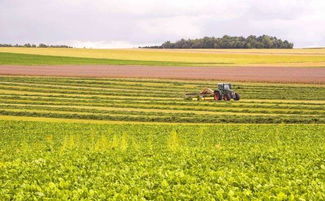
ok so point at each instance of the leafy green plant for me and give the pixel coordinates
(71, 161)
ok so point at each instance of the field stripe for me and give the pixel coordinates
(156, 100)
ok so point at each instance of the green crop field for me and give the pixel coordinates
(69, 161)
(33, 59)
(70, 138)
(154, 57)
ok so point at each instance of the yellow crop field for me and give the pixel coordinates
(204, 57)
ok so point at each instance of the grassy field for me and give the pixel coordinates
(145, 100)
(138, 139)
(55, 56)
(31, 59)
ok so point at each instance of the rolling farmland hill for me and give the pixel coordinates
(248, 57)
(105, 138)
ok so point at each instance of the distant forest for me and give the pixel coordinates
(231, 42)
(41, 45)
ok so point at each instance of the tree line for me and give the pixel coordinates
(41, 45)
(231, 42)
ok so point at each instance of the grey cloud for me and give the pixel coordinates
(272, 10)
(155, 21)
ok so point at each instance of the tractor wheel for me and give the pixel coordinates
(237, 97)
(217, 96)
(227, 97)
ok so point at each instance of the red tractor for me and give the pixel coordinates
(223, 92)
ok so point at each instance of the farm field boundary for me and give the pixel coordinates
(82, 121)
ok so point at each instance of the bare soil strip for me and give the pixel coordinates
(251, 74)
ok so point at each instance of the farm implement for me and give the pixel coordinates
(223, 92)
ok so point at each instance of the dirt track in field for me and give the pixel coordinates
(252, 74)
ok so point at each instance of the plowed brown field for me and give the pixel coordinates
(254, 74)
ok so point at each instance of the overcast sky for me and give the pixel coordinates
(129, 23)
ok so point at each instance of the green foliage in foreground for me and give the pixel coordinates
(31, 59)
(66, 161)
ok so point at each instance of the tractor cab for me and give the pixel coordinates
(224, 86)
(225, 92)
